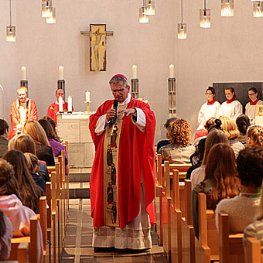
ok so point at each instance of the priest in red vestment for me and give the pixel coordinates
(122, 183)
(54, 107)
(23, 109)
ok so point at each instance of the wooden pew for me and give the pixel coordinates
(252, 250)
(230, 245)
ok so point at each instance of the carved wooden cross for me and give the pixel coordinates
(97, 36)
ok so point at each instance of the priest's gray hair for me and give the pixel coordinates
(117, 79)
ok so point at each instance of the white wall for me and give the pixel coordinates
(229, 51)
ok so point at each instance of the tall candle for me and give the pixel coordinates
(69, 104)
(87, 94)
(23, 70)
(60, 72)
(134, 71)
(60, 104)
(171, 70)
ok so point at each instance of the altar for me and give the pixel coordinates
(74, 128)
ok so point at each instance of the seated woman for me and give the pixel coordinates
(6, 230)
(255, 136)
(25, 144)
(55, 144)
(29, 190)
(208, 110)
(214, 137)
(179, 150)
(167, 126)
(243, 123)
(243, 208)
(231, 108)
(232, 133)
(13, 208)
(43, 149)
(251, 105)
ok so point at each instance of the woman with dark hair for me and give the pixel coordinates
(243, 123)
(28, 189)
(209, 109)
(220, 181)
(251, 105)
(231, 108)
(179, 150)
(243, 208)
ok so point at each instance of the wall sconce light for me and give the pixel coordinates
(257, 8)
(182, 29)
(227, 7)
(52, 19)
(150, 8)
(10, 30)
(46, 8)
(143, 18)
(205, 17)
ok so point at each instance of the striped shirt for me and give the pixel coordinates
(255, 230)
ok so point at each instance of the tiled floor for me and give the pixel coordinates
(77, 248)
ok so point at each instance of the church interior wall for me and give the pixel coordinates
(229, 51)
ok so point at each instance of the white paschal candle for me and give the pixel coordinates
(60, 72)
(69, 104)
(60, 104)
(171, 71)
(87, 94)
(134, 71)
(23, 70)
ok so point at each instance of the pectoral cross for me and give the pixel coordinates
(97, 36)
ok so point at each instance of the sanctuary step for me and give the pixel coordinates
(79, 186)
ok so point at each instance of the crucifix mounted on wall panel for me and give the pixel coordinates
(97, 34)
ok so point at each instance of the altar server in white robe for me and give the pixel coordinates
(209, 109)
(231, 108)
(251, 105)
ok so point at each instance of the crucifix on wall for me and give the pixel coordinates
(98, 35)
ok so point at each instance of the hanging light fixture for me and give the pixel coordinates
(46, 8)
(10, 30)
(205, 17)
(143, 17)
(257, 8)
(182, 29)
(150, 8)
(52, 19)
(227, 7)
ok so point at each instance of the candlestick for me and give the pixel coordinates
(87, 94)
(171, 70)
(60, 104)
(60, 72)
(23, 70)
(69, 104)
(134, 71)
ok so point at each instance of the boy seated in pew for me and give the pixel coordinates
(13, 208)
(6, 230)
(243, 208)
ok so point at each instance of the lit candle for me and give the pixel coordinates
(87, 96)
(134, 71)
(171, 70)
(60, 72)
(60, 104)
(23, 70)
(69, 104)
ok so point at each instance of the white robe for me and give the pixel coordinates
(231, 110)
(251, 110)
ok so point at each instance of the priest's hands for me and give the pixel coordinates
(131, 111)
(110, 114)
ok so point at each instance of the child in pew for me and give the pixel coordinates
(255, 229)
(28, 189)
(243, 208)
(220, 181)
(6, 230)
(255, 136)
(12, 207)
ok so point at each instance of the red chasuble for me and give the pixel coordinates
(136, 158)
(53, 109)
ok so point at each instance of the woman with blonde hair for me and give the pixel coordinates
(221, 179)
(232, 133)
(43, 149)
(255, 136)
(179, 150)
